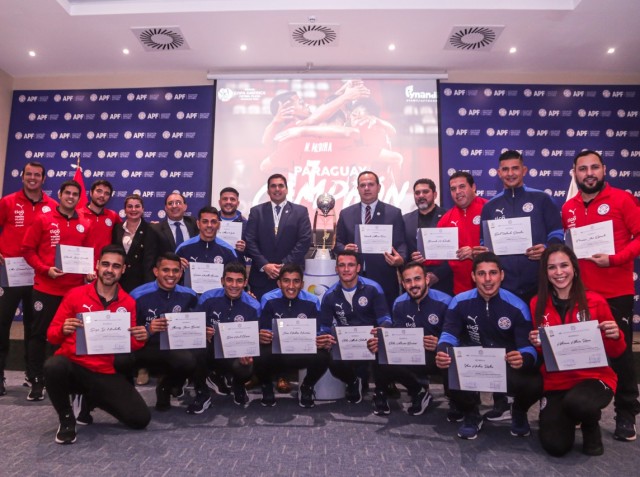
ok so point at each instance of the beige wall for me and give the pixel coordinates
(6, 89)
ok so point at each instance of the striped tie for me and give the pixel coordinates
(367, 214)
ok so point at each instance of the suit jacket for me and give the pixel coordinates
(141, 257)
(374, 265)
(163, 230)
(290, 245)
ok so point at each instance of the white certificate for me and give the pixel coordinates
(573, 346)
(375, 238)
(16, 272)
(72, 259)
(438, 243)
(230, 232)
(239, 339)
(294, 336)
(592, 239)
(401, 346)
(352, 343)
(508, 236)
(475, 368)
(104, 332)
(201, 277)
(184, 331)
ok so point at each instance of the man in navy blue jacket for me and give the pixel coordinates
(290, 300)
(492, 317)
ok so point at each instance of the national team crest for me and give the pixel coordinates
(121, 309)
(476, 220)
(433, 319)
(37, 306)
(504, 323)
(108, 222)
(80, 228)
(217, 259)
(238, 318)
(302, 316)
(177, 309)
(603, 209)
(46, 209)
(528, 207)
(362, 301)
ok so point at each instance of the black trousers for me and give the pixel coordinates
(269, 364)
(110, 392)
(524, 385)
(412, 377)
(9, 301)
(206, 362)
(560, 411)
(44, 307)
(626, 399)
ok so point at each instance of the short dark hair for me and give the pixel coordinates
(413, 264)
(427, 182)
(167, 256)
(291, 268)
(69, 183)
(587, 152)
(486, 257)
(463, 174)
(208, 209)
(368, 172)
(34, 164)
(101, 182)
(509, 154)
(279, 99)
(277, 176)
(166, 199)
(235, 267)
(134, 197)
(113, 248)
(348, 253)
(229, 189)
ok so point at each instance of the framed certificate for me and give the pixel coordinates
(16, 272)
(104, 332)
(230, 232)
(294, 336)
(474, 368)
(508, 236)
(351, 343)
(438, 243)
(236, 339)
(401, 346)
(201, 277)
(573, 346)
(592, 239)
(184, 331)
(374, 238)
(72, 259)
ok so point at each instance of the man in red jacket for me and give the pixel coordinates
(17, 213)
(610, 275)
(60, 226)
(93, 375)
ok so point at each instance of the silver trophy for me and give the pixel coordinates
(324, 227)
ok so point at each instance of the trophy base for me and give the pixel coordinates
(322, 254)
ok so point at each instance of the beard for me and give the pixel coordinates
(597, 187)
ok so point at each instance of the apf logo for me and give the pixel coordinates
(464, 152)
(570, 132)
(124, 173)
(613, 173)
(566, 93)
(544, 152)
(542, 113)
(461, 112)
(582, 113)
(624, 153)
(491, 132)
(448, 91)
(533, 172)
(450, 131)
(606, 93)
(493, 172)
(610, 132)
(527, 93)
(451, 171)
(142, 115)
(531, 132)
(488, 92)
(164, 173)
(621, 113)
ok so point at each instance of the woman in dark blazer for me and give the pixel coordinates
(139, 241)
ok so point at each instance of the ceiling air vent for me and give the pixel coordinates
(314, 34)
(473, 38)
(161, 38)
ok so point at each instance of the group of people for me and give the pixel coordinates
(479, 299)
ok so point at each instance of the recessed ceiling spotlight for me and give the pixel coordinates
(32, 53)
(392, 47)
(611, 51)
(513, 49)
(243, 47)
(125, 51)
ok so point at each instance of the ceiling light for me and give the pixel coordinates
(125, 51)
(32, 53)
(392, 47)
(243, 47)
(611, 51)
(513, 49)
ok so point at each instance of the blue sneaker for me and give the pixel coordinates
(519, 423)
(471, 425)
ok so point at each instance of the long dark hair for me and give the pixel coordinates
(577, 294)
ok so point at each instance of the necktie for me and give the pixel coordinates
(367, 214)
(278, 209)
(179, 236)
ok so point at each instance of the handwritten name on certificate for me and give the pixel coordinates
(72, 259)
(479, 369)
(592, 239)
(509, 236)
(185, 331)
(375, 238)
(573, 346)
(16, 272)
(438, 243)
(352, 343)
(104, 332)
(230, 232)
(294, 336)
(204, 276)
(401, 346)
(239, 339)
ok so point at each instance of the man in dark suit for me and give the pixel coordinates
(175, 206)
(427, 215)
(381, 268)
(277, 232)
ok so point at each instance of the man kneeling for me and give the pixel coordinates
(93, 376)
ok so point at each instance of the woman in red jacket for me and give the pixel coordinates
(576, 396)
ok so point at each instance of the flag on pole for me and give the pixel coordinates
(79, 178)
